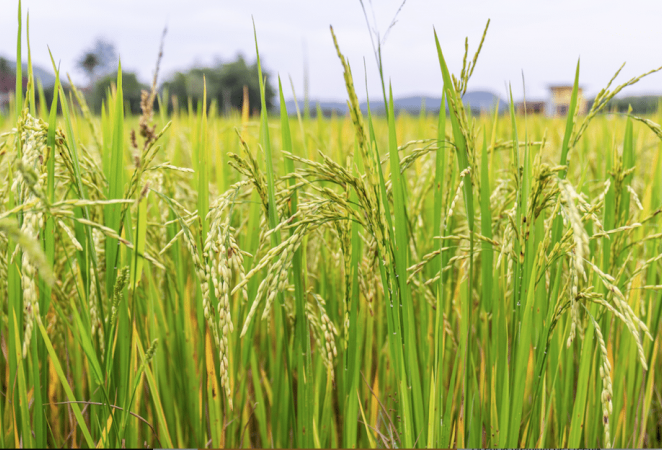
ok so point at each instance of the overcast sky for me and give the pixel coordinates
(542, 39)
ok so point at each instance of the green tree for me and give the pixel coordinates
(5, 68)
(130, 86)
(646, 104)
(225, 85)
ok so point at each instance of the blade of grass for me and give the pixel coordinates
(463, 163)
(579, 408)
(19, 66)
(31, 84)
(302, 334)
(14, 291)
(353, 353)
(285, 386)
(523, 352)
(164, 434)
(437, 376)
(391, 285)
(486, 229)
(22, 404)
(65, 385)
(115, 182)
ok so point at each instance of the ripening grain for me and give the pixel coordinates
(447, 280)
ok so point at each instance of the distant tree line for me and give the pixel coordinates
(641, 105)
(225, 85)
(131, 89)
(225, 82)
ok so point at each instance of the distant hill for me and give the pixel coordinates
(484, 101)
(476, 100)
(326, 107)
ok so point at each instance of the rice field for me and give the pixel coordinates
(442, 280)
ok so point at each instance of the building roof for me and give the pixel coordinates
(562, 86)
(531, 102)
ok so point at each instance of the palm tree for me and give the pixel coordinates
(98, 60)
(89, 63)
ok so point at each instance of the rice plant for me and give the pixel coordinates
(448, 280)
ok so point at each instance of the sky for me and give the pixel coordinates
(538, 41)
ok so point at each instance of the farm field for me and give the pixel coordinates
(188, 279)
